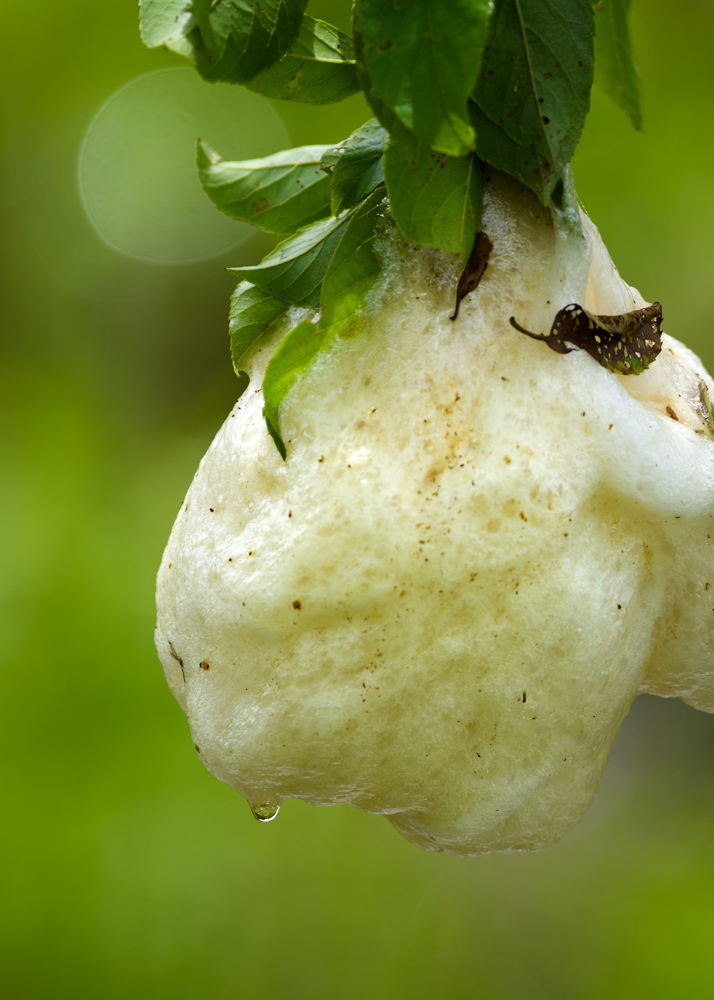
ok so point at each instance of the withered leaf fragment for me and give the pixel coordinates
(627, 344)
(474, 270)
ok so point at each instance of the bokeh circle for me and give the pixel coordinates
(137, 165)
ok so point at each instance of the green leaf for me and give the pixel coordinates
(215, 25)
(318, 69)
(162, 22)
(183, 46)
(253, 314)
(295, 269)
(435, 199)
(502, 152)
(355, 166)
(615, 70)
(280, 194)
(419, 61)
(235, 39)
(354, 268)
(535, 79)
(295, 354)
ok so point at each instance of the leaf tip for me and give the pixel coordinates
(275, 435)
(205, 156)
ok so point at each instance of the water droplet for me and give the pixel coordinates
(265, 813)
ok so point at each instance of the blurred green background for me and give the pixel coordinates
(127, 869)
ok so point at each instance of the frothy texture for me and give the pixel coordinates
(477, 553)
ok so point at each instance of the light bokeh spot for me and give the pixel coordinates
(137, 169)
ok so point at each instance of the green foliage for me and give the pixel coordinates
(280, 194)
(535, 82)
(419, 61)
(615, 70)
(253, 314)
(497, 148)
(454, 84)
(355, 267)
(164, 21)
(295, 354)
(318, 69)
(241, 37)
(355, 166)
(509, 79)
(351, 275)
(295, 269)
(435, 199)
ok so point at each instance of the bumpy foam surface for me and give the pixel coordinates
(478, 552)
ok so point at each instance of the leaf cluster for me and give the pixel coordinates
(457, 87)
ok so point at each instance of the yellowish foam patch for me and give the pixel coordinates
(478, 552)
